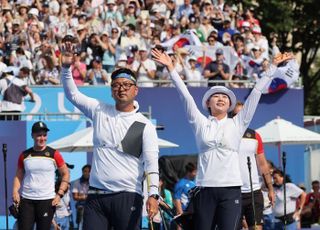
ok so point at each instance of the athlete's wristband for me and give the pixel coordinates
(155, 196)
(60, 195)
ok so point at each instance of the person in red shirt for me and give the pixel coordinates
(313, 201)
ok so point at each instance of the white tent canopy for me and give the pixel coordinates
(280, 131)
(81, 141)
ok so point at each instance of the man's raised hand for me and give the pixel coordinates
(68, 49)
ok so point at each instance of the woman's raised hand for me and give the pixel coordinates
(163, 58)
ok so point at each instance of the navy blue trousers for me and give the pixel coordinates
(122, 211)
(217, 207)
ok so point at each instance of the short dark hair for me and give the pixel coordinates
(86, 166)
(19, 50)
(25, 70)
(132, 27)
(315, 182)
(123, 70)
(281, 173)
(190, 167)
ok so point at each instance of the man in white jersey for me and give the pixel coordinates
(125, 147)
(36, 177)
(251, 146)
(218, 201)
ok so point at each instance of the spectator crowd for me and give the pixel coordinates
(207, 40)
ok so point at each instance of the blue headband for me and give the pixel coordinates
(125, 75)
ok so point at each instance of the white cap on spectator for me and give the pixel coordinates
(227, 19)
(23, 5)
(255, 47)
(192, 58)
(123, 57)
(213, 30)
(105, 32)
(143, 48)
(245, 24)
(34, 11)
(256, 30)
(6, 7)
(111, 2)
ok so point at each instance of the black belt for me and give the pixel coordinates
(288, 219)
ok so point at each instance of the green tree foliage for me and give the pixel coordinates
(297, 24)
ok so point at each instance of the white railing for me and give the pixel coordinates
(52, 116)
(165, 83)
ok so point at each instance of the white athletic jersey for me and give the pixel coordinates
(114, 168)
(39, 173)
(292, 194)
(218, 140)
(250, 146)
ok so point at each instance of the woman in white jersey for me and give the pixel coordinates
(218, 203)
(35, 176)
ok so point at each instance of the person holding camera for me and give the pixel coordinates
(35, 177)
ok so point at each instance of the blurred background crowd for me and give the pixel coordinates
(210, 41)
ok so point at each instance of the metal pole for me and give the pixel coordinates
(252, 194)
(284, 188)
(4, 150)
